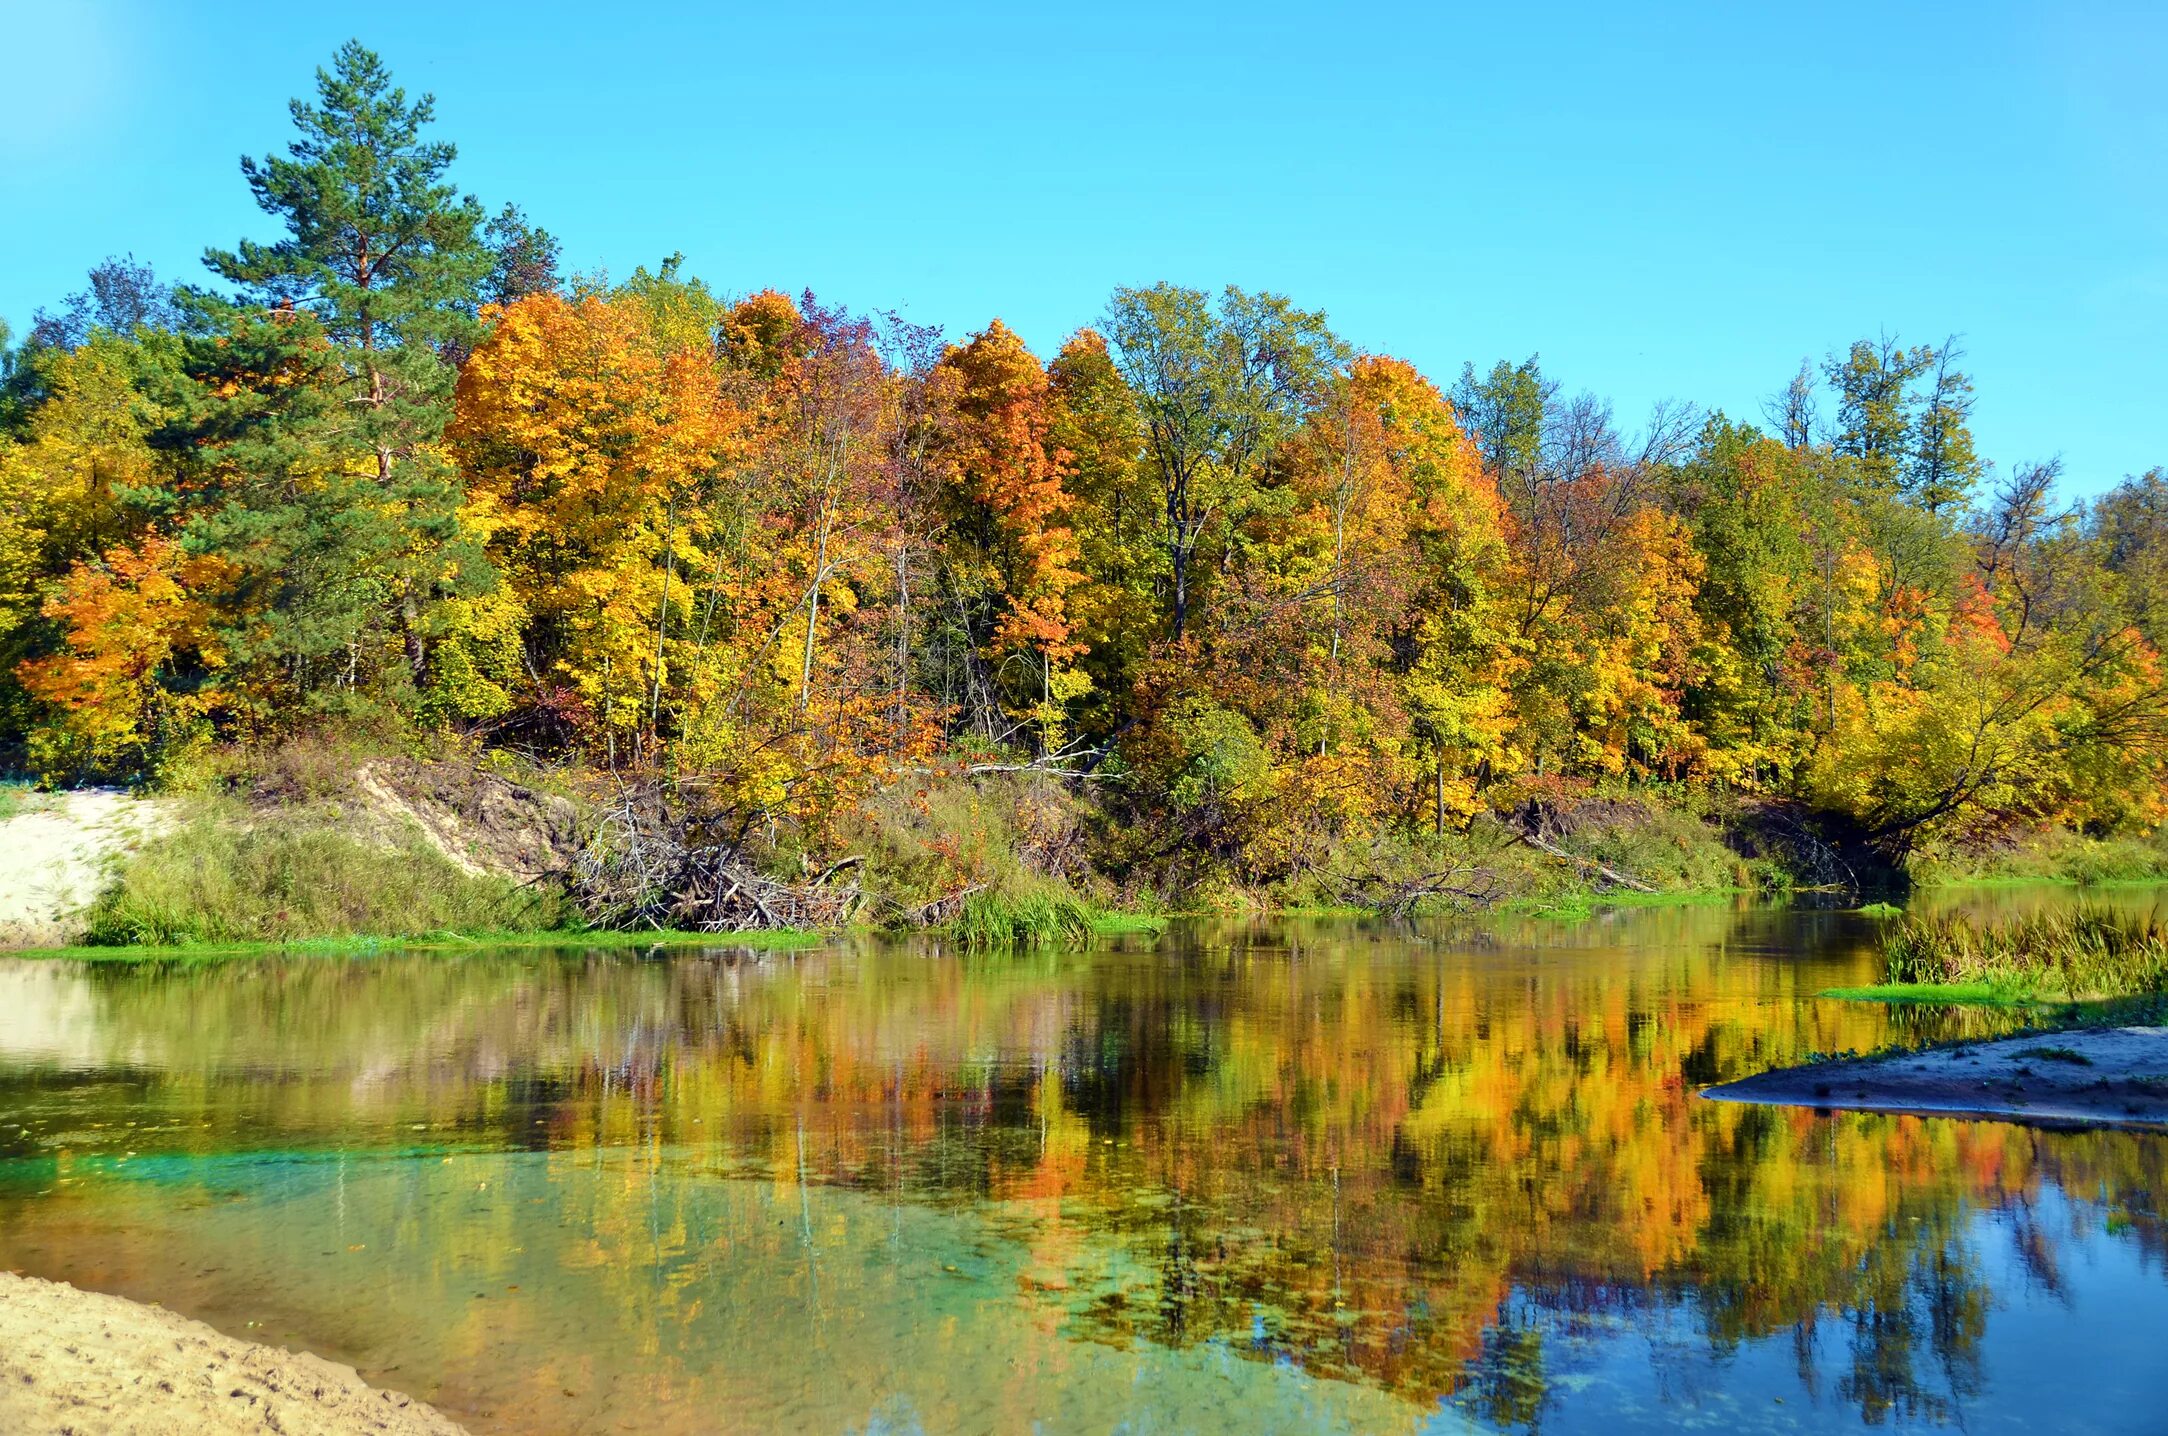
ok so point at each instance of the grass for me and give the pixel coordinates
(1585, 903)
(1881, 909)
(18, 797)
(1024, 915)
(2066, 956)
(1120, 924)
(2058, 1054)
(216, 879)
(230, 879)
(2050, 856)
(1984, 994)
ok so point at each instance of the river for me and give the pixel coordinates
(1287, 1175)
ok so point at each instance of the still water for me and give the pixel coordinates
(1291, 1176)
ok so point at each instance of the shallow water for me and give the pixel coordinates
(1292, 1176)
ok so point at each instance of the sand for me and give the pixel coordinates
(53, 858)
(2102, 1076)
(91, 1365)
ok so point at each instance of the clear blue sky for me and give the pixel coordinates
(1678, 204)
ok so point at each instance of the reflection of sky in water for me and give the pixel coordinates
(1295, 1177)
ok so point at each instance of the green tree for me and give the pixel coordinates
(1219, 388)
(2130, 523)
(1944, 465)
(1875, 402)
(1117, 523)
(322, 391)
(1504, 412)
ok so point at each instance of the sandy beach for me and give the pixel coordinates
(2112, 1076)
(78, 1363)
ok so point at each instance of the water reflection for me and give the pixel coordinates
(1277, 1176)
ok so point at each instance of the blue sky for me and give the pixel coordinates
(1680, 203)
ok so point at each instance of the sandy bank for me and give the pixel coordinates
(2107, 1075)
(53, 858)
(79, 1362)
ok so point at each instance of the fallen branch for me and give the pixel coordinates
(1399, 897)
(1607, 873)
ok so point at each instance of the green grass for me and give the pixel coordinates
(218, 879)
(1974, 993)
(17, 798)
(1119, 924)
(1027, 916)
(1881, 909)
(1578, 905)
(2051, 856)
(2062, 955)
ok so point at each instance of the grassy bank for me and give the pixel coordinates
(316, 845)
(2050, 855)
(222, 875)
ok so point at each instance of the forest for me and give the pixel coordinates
(1246, 606)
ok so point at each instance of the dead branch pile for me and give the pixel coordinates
(1401, 896)
(650, 863)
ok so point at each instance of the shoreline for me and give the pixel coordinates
(2095, 1076)
(765, 939)
(76, 1360)
(778, 939)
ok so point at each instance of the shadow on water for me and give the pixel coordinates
(1305, 1174)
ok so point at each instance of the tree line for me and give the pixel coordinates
(394, 469)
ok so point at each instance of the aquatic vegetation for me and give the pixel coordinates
(2076, 954)
(1026, 915)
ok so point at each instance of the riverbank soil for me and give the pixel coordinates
(80, 1362)
(2115, 1076)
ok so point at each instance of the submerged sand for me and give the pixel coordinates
(91, 1365)
(2108, 1076)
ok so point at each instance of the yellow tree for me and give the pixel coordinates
(591, 438)
(1114, 608)
(85, 447)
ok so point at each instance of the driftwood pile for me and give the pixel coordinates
(648, 864)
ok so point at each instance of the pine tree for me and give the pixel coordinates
(323, 386)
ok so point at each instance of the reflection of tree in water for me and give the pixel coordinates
(1505, 1383)
(1434, 1172)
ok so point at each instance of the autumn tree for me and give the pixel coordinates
(1118, 517)
(1009, 551)
(592, 440)
(128, 687)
